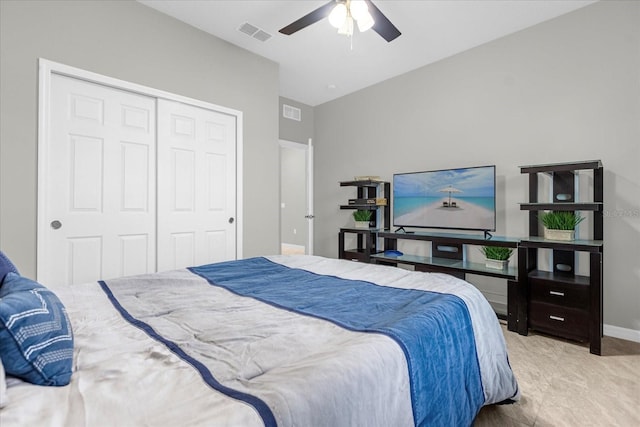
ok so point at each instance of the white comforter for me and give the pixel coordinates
(124, 378)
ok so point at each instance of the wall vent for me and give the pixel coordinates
(292, 113)
(255, 32)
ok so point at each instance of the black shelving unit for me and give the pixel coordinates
(560, 302)
(366, 238)
(447, 253)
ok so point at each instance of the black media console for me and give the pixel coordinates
(447, 253)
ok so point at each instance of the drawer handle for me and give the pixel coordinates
(561, 319)
(560, 294)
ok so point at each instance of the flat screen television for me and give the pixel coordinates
(462, 199)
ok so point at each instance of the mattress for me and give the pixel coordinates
(281, 340)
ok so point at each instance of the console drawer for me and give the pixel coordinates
(558, 320)
(563, 294)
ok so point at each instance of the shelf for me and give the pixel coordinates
(360, 251)
(562, 167)
(573, 245)
(469, 239)
(361, 207)
(449, 264)
(447, 253)
(565, 279)
(366, 239)
(560, 302)
(362, 183)
(356, 254)
(562, 206)
(360, 230)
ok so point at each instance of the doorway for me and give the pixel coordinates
(296, 198)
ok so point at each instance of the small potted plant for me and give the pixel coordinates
(560, 225)
(496, 256)
(362, 218)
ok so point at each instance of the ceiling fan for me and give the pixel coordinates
(342, 13)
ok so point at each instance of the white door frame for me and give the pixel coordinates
(310, 214)
(308, 148)
(46, 69)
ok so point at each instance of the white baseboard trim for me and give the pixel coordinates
(622, 333)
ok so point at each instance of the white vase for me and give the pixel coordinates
(362, 224)
(564, 235)
(496, 264)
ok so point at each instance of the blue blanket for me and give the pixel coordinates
(434, 330)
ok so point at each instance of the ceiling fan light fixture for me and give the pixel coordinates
(343, 14)
(338, 15)
(365, 22)
(358, 9)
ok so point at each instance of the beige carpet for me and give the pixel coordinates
(291, 249)
(562, 384)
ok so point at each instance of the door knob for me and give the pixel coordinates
(231, 220)
(56, 224)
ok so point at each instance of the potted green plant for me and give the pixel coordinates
(496, 256)
(560, 225)
(362, 218)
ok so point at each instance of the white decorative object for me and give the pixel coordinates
(564, 235)
(362, 224)
(496, 264)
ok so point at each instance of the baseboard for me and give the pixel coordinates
(622, 333)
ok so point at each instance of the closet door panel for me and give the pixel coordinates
(135, 177)
(99, 200)
(196, 186)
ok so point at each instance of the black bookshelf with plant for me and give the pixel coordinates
(370, 216)
(560, 301)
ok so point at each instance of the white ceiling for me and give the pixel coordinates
(318, 65)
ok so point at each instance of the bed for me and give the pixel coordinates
(280, 340)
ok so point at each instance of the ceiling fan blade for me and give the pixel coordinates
(382, 25)
(311, 18)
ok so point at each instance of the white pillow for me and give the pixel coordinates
(3, 387)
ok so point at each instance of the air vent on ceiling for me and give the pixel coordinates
(292, 113)
(255, 32)
(263, 36)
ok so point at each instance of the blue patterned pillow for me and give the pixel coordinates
(6, 266)
(36, 340)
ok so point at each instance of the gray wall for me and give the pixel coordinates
(129, 41)
(296, 131)
(564, 90)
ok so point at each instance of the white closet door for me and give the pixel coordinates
(100, 171)
(196, 186)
